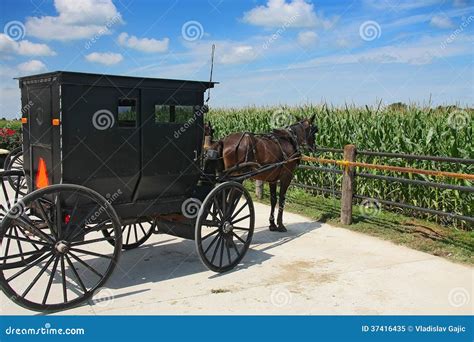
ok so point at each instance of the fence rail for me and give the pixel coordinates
(348, 170)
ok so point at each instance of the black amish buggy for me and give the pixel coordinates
(107, 162)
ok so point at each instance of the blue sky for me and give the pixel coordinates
(271, 52)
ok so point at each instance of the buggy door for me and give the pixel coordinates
(40, 104)
(172, 136)
(101, 139)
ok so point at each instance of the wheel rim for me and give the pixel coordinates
(76, 259)
(134, 234)
(16, 164)
(9, 197)
(224, 227)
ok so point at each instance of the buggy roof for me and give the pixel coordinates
(70, 77)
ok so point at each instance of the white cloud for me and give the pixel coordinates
(442, 22)
(296, 13)
(76, 19)
(144, 44)
(106, 58)
(397, 5)
(423, 51)
(32, 66)
(23, 47)
(307, 38)
(239, 54)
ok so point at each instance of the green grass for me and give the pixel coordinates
(13, 124)
(447, 242)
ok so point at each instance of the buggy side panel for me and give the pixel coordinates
(100, 151)
(170, 165)
(41, 140)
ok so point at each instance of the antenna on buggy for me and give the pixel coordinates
(210, 77)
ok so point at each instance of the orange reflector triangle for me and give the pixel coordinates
(42, 180)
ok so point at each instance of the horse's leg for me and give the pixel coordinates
(273, 201)
(284, 184)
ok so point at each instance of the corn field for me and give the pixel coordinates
(442, 131)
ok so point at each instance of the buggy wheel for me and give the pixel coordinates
(10, 198)
(10, 155)
(224, 226)
(15, 163)
(134, 234)
(75, 259)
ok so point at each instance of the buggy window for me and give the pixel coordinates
(173, 114)
(127, 113)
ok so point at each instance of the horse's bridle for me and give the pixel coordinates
(294, 136)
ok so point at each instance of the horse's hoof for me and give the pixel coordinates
(273, 228)
(281, 228)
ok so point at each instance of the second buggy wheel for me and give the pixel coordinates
(74, 260)
(134, 234)
(224, 226)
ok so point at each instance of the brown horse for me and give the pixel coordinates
(243, 151)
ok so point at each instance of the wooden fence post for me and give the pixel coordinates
(348, 176)
(259, 189)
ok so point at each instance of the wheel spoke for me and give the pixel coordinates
(210, 234)
(210, 245)
(216, 249)
(36, 262)
(241, 228)
(238, 211)
(90, 253)
(241, 219)
(13, 256)
(7, 248)
(238, 238)
(228, 252)
(63, 276)
(135, 230)
(79, 280)
(35, 280)
(90, 268)
(222, 252)
(142, 229)
(236, 249)
(234, 201)
(45, 216)
(86, 242)
(51, 278)
(30, 227)
(129, 227)
(32, 242)
(218, 210)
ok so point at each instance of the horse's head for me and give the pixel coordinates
(305, 131)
